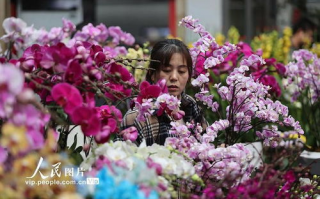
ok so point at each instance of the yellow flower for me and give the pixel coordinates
(306, 43)
(286, 50)
(139, 74)
(14, 138)
(190, 45)
(132, 53)
(7, 192)
(220, 39)
(25, 167)
(140, 53)
(287, 31)
(233, 35)
(316, 49)
(296, 136)
(286, 41)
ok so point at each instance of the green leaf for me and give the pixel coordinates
(76, 158)
(73, 146)
(285, 163)
(79, 149)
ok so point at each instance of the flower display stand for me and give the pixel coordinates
(313, 159)
(256, 149)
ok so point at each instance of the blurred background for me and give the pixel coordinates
(151, 20)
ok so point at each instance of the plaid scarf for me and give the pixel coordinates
(156, 128)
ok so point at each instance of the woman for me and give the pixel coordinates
(175, 67)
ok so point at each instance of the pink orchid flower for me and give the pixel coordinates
(148, 91)
(130, 133)
(178, 115)
(124, 75)
(66, 96)
(88, 120)
(73, 73)
(103, 136)
(68, 26)
(162, 83)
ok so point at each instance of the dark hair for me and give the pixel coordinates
(163, 51)
(303, 24)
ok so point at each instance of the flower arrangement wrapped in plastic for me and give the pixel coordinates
(155, 167)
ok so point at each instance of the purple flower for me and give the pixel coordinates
(68, 26)
(3, 155)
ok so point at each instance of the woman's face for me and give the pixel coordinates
(176, 74)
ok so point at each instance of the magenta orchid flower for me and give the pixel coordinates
(88, 119)
(89, 99)
(148, 91)
(67, 96)
(109, 115)
(280, 68)
(104, 135)
(105, 112)
(73, 73)
(271, 81)
(118, 90)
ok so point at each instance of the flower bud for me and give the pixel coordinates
(86, 147)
